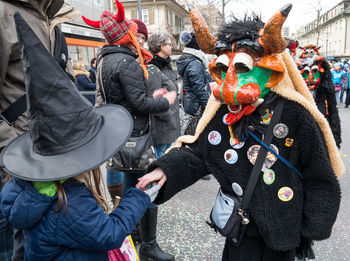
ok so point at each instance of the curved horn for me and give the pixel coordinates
(121, 12)
(95, 24)
(272, 40)
(205, 40)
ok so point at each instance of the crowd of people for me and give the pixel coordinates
(52, 205)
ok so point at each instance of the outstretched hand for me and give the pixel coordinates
(157, 175)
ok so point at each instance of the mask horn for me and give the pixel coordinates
(95, 24)
(205, 41)
(121, 12)
(271, 38)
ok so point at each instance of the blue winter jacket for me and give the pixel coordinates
(85, 232)
(195, 83)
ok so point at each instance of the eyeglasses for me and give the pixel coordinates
(170, 44)
(140, 37)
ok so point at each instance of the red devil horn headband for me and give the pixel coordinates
(119, 17)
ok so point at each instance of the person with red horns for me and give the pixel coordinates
(121, 79)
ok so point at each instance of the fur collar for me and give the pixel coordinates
(291, 87)
(199, 54)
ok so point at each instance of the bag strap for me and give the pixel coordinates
(254, 176)
(277, 155)
(103, 93)
(17, 108)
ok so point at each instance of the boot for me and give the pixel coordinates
(116, 190)
(136, 234)
(149, 249)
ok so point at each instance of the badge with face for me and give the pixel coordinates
(269, 176)
(236, 144)
(285, 194)
(280, 130)
(214, 138)
(270, 159)
(231, 156)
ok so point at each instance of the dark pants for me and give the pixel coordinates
(347, 101)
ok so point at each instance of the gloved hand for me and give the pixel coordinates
(152, 192)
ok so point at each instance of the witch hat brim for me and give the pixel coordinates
(19, 159)
(67, 135)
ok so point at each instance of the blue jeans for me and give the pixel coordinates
(6, 233)
(160, 149)
(114, 177)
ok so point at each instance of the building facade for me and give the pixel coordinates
(330, 31)
(166, 15)
(83, 41)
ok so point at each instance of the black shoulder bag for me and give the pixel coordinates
(137, 153)
(229, 215)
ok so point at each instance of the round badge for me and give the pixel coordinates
(280, 130)
(224, 118)
(214, 137)
(237, 189)
(285, 193)
(269, 176)
(231, 156)
(236, 144)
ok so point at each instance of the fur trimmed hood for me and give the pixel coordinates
(291, 87)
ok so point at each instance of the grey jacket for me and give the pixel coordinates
(42, 16)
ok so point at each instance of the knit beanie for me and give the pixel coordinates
(142, 29)
(189, 40)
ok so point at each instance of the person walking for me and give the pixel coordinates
(301, 175)
(338, 78)
(92, 70)
(83, 81)
(45, 16)
(54, 195)
(166, 126)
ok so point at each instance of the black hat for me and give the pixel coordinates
(189, 40)
(67, 135)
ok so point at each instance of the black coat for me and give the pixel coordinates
(165, 66)
(165, 126)
(124, 84)
(315, 204)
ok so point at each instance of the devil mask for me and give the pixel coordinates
(247, 65)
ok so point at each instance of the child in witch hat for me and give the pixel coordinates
(54, 193)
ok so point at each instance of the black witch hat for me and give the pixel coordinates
(67, 136)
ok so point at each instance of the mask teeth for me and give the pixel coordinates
(258, 102)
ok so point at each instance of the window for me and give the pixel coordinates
(170, 17)
(145, 17)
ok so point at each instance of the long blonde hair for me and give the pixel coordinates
(94, 181)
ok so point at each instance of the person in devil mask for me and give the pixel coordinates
(260, 99)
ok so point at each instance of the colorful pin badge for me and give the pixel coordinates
(236, 144)
(214, 137)
(270, 159)
(266, 117)
(280, 130)
(237, 189)
(285, 193)
(231, 156)
(289, 142)
(269, 176)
